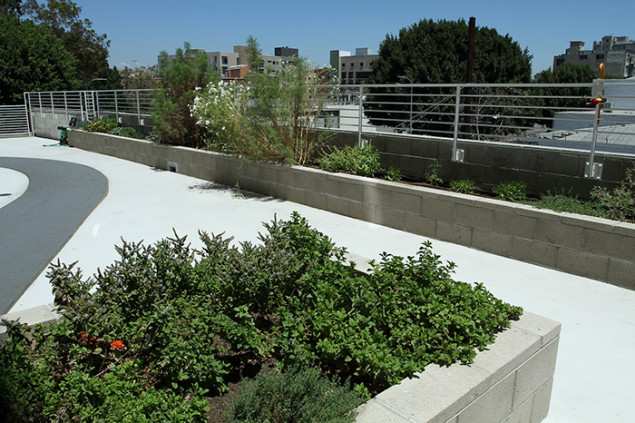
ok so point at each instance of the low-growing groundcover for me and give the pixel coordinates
(147, 338)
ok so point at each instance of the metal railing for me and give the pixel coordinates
(14, 121)
(542, 114)
(88, 105)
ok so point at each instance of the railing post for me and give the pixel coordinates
(39, 98)
(138, 109)
(65, 105)
(52, 105)
(116, 108)
(29, 115)
(361, 111)
(593, 170)
(97, 103)
(457, 155)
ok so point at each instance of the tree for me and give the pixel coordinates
(62, 18)
(179, 77)
(32, 59)
(437, 52)
(139, 78)
(11, 7)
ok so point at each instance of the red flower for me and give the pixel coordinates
(84, 339)
(117, 345)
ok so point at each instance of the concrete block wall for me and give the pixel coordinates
(543, 169)
(596, 248)
(511, 381)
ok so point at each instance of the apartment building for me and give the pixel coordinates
(617, 54)
(352, 69)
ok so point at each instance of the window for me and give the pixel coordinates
(343, 75)
(599, 57)
(361, 65)
(224, 60)
(583, 57)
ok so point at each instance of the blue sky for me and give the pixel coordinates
(139, 30)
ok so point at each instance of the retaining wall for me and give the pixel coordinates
(596, 248)
(543, 169)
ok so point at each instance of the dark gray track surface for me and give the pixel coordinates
(35, 226)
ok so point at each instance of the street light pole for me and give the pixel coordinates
(409, 80)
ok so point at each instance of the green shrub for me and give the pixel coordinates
(511, 191)
(619, 203)
(432, 175)
(464, 186)
(393, 174)
(166, 322)
(362, 161)
(104, 125)
(125, 131)
(295, 397)
(179, 78)
(567, 203)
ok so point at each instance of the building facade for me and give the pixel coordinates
(223, 61)
(617, 54)
(353, 69)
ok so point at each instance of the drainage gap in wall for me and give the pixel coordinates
(173, 167)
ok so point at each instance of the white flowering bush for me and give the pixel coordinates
(220, 109)
(273, 117)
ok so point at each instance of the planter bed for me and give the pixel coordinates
(596, 248)
(511, 379)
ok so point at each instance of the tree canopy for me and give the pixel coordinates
(82, 42)
(437, 52)
(31, 58)
(75, 48)
(431, 52)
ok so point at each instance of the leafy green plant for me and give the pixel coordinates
(166, 322)
(179, 76)
(432, 175)
(362, 161)
(125, 131)
(511, 191)
(294, 397)
(563, 202)
(104, 125)
(618, 203)
(464, 186)
(393, 174)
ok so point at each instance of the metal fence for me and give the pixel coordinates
(560, 115)
(88, 105)
(14, 121)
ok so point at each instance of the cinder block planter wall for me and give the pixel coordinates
(490, 163)
(586, 246)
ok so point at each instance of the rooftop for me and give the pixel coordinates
(593, 379)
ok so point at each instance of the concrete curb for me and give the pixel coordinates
(41, 314)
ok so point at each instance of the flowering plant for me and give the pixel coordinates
(117, 345)
(219, 108)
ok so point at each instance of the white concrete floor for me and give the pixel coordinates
(595, 369)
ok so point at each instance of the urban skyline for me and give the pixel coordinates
(139, 30)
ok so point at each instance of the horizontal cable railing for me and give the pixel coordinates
(13, 121)
(530, 113)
